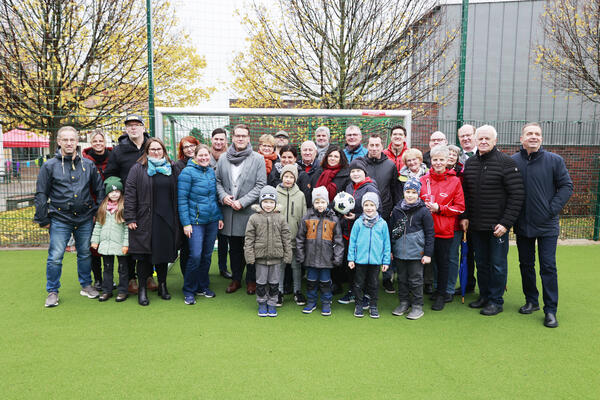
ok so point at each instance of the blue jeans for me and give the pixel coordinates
(492, 266)
(60, 233)
(547, 259)
(454, 262)
(201, 245)
(323, 277)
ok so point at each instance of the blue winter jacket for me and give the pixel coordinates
(360, 151)
(412, 231)
(370, 245)
(197, 195)
(548, 187)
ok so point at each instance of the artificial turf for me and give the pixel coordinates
(220, 349)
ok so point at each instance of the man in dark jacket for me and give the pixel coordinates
(548, 187)
(494, 196)
(310, 170)
(64, 204)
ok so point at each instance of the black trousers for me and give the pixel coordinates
(237, 260)
(145, 270)
(441, 253)
(123, 270)
(471, 281)
(366, 280)
(410, 281)
(223, 248)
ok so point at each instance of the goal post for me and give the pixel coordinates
(174, 123)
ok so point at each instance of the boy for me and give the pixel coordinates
(319, 246)
(267, 244)
(293, 207)
(368, 249)
(412, 246)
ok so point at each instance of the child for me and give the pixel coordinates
(293, 207)
(319, 247)
(267, 245)
(412, 246)
(111, 238)
(368, 250)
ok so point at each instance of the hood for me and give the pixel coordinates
(291, 191)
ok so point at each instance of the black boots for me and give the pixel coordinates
(163, 292)
(142, 296)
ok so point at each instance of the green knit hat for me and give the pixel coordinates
(113, 183)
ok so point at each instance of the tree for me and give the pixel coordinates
(80, 62)
(343, 53)
(570, 56)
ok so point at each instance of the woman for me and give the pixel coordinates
(266, 148)
(99, 155)
(442, 193)
(414, 167)
(288, 155)
(453, 160)
(185, 151)
(453, 164)
(336, 175)
(151, 215)
(201, 218)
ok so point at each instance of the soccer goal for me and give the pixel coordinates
(172, 124)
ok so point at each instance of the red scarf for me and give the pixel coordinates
(355, 186)
(269, 161)
(326, 179)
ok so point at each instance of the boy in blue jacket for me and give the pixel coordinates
(412, 247)
(368, 250)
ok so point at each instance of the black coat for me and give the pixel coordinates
(383, 171)
(493, 189)
(548, 187)
(139, 208)
(123, 157)
(307, 181)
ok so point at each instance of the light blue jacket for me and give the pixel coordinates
(197, 195)
(370, 245)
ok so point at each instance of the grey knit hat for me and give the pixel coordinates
(370, 196)
(268, 193)
(320, 193)
(293, 168)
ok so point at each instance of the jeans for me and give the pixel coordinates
(296, 274)
(454, 262)
(441, 253)
(201, 245)
(547, 260)
(267, 283)
(320, 277)
(492, 266)
(60, 233)
(123, 270)
(410, 281)
(366, 279)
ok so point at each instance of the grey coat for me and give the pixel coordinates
(252, 179)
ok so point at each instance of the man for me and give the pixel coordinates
(466, 137)
(384, 173)
(240, 176)
(217, 148)
(310, 170)
(548, 187)
(353, 148)
(130, 147)
(397, 146)
(65, 205)
(494, 195)
(436, 138)
(282, 138)
(322, 138)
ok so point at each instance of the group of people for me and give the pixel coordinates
(275, 213)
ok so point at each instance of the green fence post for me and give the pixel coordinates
(462, 66)
(150, 68)
(597, 208)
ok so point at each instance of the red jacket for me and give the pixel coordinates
(396, 159)
(448, 194)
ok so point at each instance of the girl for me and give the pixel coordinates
(111, 238)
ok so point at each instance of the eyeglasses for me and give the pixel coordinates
(190, 146)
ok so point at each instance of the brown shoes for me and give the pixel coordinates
(151, 285)
(121, 297)
(133, 286)
(251, 287)
(105, 296)
(233, 287)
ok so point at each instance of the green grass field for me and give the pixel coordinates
(220, 349)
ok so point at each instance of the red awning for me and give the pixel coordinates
(22, 138)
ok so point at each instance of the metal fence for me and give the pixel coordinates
(577, 142)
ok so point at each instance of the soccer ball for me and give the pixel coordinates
(343, 203)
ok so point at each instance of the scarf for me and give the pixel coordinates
(269, 161)
(326, 179)
(404, 206)
(370, 222)
(355, 186)
(237, 157)
(112, 206)
(159, 165)
(98, 158)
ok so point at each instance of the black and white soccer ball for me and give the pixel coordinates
(343, 203)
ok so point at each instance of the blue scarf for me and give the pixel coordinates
(158, 165)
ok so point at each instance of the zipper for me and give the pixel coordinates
(370, 237)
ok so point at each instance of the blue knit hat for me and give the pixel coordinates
(413, 184)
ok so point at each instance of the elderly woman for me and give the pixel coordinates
(151, 215)
(455, 165)
(336, 175)
(454, 155)
(413, 165)
(266, 148)
(98, 153)
(442, 193)
(288, 155)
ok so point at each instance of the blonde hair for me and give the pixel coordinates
(267, 139)
(101, 214)
(410, 153)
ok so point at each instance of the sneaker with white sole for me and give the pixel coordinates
(310, 307)
(262, 310)
(401, 309)
(416, 312)
(358, 311)
(373, 312)
(189, 300)
(347, 299)
(52, 299)
(208, 293)
(279, 299)
(90, 292)
(299, 298)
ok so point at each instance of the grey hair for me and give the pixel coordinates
(455, 149)
(65, 129)
(309, 143)
(440, 150)
(353, 128)
(466, 127)
(325, 129)
(489, 128)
